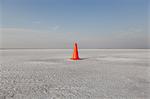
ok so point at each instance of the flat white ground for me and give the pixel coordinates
(50, 74)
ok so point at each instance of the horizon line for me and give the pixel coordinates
(71, 48)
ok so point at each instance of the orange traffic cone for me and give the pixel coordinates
(75, 55)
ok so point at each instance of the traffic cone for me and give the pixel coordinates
(75, 55)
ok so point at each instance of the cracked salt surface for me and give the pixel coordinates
(50, 74)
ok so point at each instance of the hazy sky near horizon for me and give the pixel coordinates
(59, 23)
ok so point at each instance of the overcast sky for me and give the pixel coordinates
(60, 23)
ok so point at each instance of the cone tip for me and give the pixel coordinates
(75, 43)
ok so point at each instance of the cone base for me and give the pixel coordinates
(75, 58)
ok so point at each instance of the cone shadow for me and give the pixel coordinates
(83, 58)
